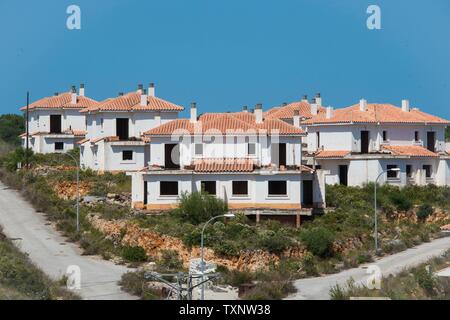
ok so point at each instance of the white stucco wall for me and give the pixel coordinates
(348, 137)
(257, 187)
(104, 124)
(363, 171)
(39, 120)
(225, 148)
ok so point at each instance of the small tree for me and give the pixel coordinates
(319, 241)
(199, 207)
(425, 210)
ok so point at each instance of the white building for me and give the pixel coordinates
(357, 143)
(251, 162)
(115, 126)
(55, 123)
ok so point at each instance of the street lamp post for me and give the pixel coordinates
(202, 261)
(78, 190)
(375, 206)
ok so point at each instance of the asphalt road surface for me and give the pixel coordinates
(318, 288)
(32, 233)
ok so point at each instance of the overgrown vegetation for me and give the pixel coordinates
(11, 126)
(416, 283)
(341, 238)
(21, 280)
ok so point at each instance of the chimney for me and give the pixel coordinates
(314, 107)
(245, 108)
(363, 105)
(140, 88)
(297, 118)
(258, 113)
(73, 96)
(405, 105)
(143, 98)
(305, 98)
(120, 94)
(330, 112)
(56, 94)
(285, 104)
(151, 89)
(81, 90)
(193, 112)
(318, 99)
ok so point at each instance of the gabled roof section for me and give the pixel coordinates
(327, 154)
(132, 102)
(287, 111)
(376, 113)
(224, 165)
(62, 101)
(410, 151)
(227, 123)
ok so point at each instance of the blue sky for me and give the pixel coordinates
(224, 54)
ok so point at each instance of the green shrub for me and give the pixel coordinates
(170, 260)
(425, 210)
(135, 254)
(11, 160)
(319, 241)
(401, 201)
(272, 290)
(236, 278)
(274, 241)
(308, 265)
(425, 280)
(199, 207)
(136, 284)
(338, 293)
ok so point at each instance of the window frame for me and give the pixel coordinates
(127, 152)
(248, 148)
(233, 187)
(424, 167)
(196, 145)
(409, 175)
(392, 175)
(167, 193)
(59, 143)
(203, 182)
(277, 194)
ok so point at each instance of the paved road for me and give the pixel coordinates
(50, 252)
(319, 287)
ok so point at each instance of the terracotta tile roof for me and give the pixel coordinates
(304, 168)
(83, 141)
(76, 133)
(410, 151)
(132, 101)
(287, 112)
(60, 101)
(227, 123)
(323, 154)
(376, 113)
(224, 165)
(109, 138)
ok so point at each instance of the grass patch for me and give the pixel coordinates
(20, 279)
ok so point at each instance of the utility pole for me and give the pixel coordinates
(183, 287)
(27, 130)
